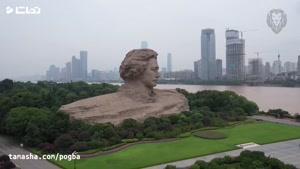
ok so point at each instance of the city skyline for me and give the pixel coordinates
(56, 34)
(77, 70)
(255, 70)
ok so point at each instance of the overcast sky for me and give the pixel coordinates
(108, 29)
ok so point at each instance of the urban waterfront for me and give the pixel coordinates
(265, 97)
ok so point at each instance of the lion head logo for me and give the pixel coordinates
(276, 20)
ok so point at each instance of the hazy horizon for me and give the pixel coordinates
(29, 44)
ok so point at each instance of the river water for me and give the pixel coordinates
(265, 97)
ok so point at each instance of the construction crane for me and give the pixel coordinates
(268, 53)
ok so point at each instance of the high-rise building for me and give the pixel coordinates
(96, 75)
(53, 73)
(163, 72)
(235, 56)
(63, 74)
(182, 75)
(144, 45)
(276, 67)
(197, 69)
(208, 55)
(68, 72)
(169, 62)
(267, 72)
(83, 65)
(256, 69)
(289, 66)
(76, 70)
(219, 69)
(79, 67)
(76, 73)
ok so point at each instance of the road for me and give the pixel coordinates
(276, 120)
(287, 151)
(8, 146)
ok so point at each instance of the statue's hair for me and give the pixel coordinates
(135, 63)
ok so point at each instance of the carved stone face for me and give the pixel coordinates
(151, 75)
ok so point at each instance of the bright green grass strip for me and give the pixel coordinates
(151, 154)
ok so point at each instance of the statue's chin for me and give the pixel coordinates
(151, 86)
(154, 83)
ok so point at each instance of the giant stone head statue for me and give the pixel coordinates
(135, 99)
(140, 65)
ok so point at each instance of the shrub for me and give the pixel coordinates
(84, 136)
(184, 135)
(64, 142)
(130, 140)
(113, 147)
(47, 147)
(79, 146)
(148, 139)
(279, 113)
(95, 144)
(297, 117)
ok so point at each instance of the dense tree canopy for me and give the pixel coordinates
(278, 113)
(222, 101)
(5, 85)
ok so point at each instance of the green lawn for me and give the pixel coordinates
(150, 154)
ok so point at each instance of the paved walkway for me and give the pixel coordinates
(287, 151)
(7, 146)
(276, 120)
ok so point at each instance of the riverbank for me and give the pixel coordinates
(287, 121)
